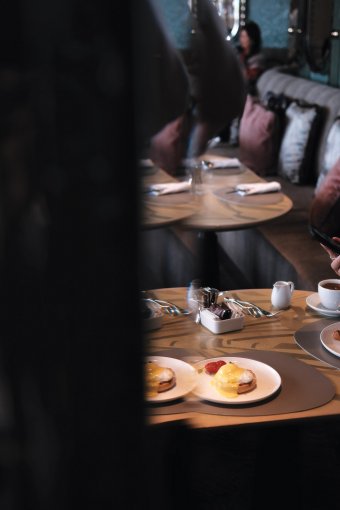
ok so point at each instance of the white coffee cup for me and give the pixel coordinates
(329, 293)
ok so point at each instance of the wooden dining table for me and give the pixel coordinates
(182, 338)
(211, 210)
(197, 218)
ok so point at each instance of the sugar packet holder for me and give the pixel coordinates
(216, 325)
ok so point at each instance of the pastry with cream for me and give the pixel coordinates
(231, 380)
(158, 379)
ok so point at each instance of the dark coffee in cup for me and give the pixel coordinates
(330, 285)
(329, 293)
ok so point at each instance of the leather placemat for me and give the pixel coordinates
(308, 338)
(302, 388)
(250, 200)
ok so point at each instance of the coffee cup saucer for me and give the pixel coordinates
(313, 301)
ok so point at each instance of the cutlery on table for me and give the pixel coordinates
(251, 308)
(167, 306)
(168, 188)
(255, 188)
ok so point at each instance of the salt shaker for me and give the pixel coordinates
(196, 169)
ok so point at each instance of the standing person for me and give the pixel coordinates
(161, 88)
(217, 86)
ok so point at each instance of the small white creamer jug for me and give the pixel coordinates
(281, 294)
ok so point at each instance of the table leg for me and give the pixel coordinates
(209, 263)
(215, 267)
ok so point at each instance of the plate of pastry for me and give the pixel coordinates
(330, 338)
(232, 380)
(167, 379)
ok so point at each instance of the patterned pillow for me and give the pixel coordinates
(259, 137)
(299, 142)
(278, 103)
(325, 207)
(332, 151)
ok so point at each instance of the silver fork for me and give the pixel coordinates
(167, 307)
(251, 308)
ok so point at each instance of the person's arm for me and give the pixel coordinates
(335, 264)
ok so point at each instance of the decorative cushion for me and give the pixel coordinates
(325, 207)
(295, 162)
(332, 151)
(259, 137)
(276, 102)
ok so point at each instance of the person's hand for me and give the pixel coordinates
(335, 264)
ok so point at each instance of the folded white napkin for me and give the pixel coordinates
(221, 162)
(170, 187)
(258, 187)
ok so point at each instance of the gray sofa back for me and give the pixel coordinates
(277, 81)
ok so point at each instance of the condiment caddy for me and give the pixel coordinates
(217, 325)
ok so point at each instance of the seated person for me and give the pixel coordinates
(253, 65)
(251, 55)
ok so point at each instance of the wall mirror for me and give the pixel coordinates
(318, 28)
(295, 28)
(310, 25)
(233, 13)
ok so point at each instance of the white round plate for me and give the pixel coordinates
(328, 341)
(268, 382)
(186, 378)
(313, 301)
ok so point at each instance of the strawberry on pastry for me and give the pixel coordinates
(336, 334)
(212, 367)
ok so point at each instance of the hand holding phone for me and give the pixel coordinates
(324, 239)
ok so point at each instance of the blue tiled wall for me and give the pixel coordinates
(272, 17)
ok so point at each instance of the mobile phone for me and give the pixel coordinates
(324, 239)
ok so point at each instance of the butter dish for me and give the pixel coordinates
(216, 325)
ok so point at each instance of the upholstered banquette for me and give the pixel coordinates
(284, 249)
